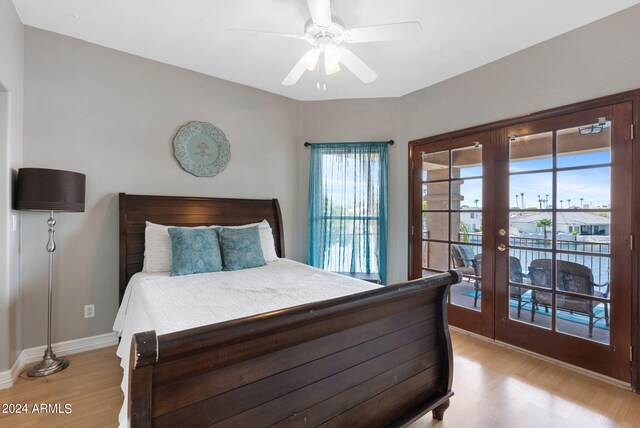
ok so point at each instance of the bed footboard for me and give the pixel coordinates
(382, 357)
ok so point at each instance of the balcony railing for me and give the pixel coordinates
(594, 255)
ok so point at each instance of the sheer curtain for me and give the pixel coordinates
(348, 207)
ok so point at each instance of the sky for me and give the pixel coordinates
(593, 184)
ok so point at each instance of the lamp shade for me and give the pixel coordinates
(42, 189)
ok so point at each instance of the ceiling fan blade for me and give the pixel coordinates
(294, 75)
(380, 33)
(266, 33)
(320, 12)
(357, 66)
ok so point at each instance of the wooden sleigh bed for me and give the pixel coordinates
(376, 358)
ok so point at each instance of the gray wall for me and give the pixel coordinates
(351, 120)
(113, 116)
(11, 108)
(598, 59)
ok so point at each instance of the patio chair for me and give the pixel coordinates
(462, 258)
(515, 275)
(573, 278)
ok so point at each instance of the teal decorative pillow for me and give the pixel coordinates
(241, 248)
(194, 251)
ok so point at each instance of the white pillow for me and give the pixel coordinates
(266, 239)
(157, 245)
(157, 248)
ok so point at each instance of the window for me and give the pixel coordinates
(348, 208)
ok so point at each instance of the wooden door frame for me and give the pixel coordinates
(632, 96)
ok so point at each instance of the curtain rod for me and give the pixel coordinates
(308, 144)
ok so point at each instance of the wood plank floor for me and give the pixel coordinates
(91, 385)
(498, 387)
(494, 387)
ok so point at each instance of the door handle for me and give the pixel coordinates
(502, 247)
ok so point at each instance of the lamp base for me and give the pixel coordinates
(50, 364)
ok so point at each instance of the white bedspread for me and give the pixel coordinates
(167, 304)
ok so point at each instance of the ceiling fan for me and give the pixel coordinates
(325, 35)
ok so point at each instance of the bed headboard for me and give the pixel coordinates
(186, 212)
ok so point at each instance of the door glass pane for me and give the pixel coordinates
(463, 256)
(584, 318)
(584, 145)
(531, 191)
(466, 194)
(435, 225)
(468, 260)
(520, 304)
(583, 274)
(531, 229)
(585, 188)
(435, 166)
(466, 227)
(526, 258)
(435, 196)
(529, 267)
(467, 293)
(531, 152)
(466, 162)
(435, 255)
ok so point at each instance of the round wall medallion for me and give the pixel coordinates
(202, 149)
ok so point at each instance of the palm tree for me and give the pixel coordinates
(522, 200)
(569, 202)
(561, 201)
(464, 232)
(518, 206)
(544, 223)
(581, 199)
(476, 201)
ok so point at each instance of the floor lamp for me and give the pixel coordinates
(50, 190)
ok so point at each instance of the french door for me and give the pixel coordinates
(453, 181)
(537, 217)
(563, 226)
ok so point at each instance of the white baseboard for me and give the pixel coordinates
(31, 355)
(8, 377)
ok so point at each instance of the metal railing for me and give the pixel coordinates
(594, 255)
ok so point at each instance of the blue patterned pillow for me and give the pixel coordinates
(241, 248)
(194, 251)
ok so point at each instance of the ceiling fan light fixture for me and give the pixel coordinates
(331, 67)
(310, 58)
(332, 53)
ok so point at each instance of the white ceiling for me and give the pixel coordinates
(458, 35)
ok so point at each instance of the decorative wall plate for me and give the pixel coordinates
(202, 149)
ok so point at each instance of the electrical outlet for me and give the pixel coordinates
(89, 311)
